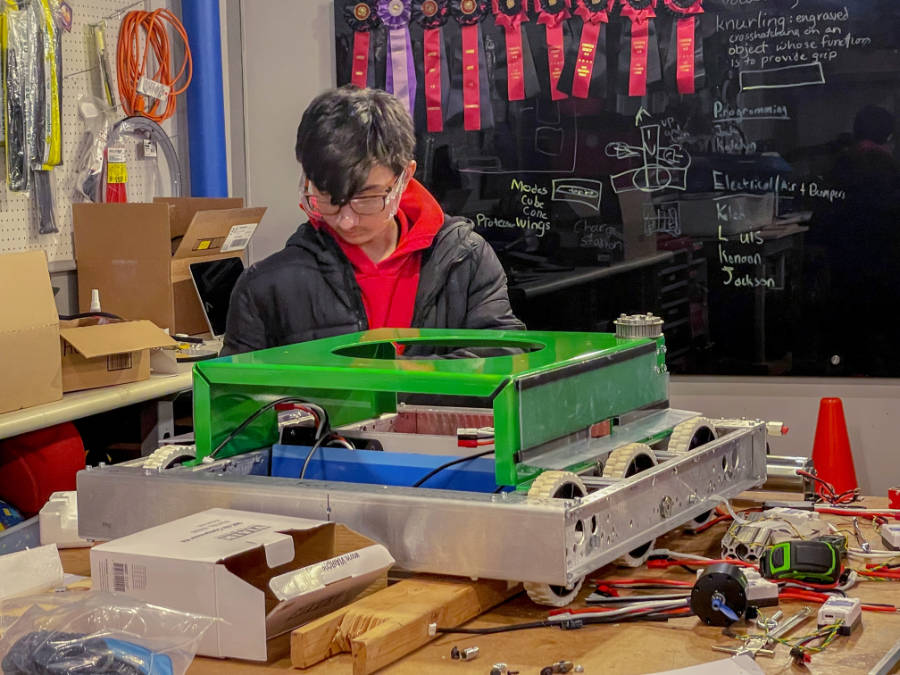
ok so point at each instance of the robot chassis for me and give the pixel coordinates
(589, 463)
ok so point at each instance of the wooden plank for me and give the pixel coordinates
(388, 625)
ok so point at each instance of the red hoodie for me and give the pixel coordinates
(389, 287)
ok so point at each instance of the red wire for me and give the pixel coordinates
(811, 596)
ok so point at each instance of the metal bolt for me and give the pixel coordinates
(665, 506)
(469, 653)
(579, 668)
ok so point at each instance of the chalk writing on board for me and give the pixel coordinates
(579, 191)
(662, 218)
(531, 203)
(539, 227)
(778, 184)
(599, 235)
(663, 166)
(765, 40)
(724, 112)
(785, 77)
(726, 138)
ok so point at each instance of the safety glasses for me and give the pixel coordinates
(369, 205)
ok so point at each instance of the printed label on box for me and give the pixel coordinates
(238, 237)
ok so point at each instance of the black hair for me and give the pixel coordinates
(873, 123)
(346, 131)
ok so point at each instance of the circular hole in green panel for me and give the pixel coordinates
(449, 349)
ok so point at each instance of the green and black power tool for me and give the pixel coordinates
(811, 561)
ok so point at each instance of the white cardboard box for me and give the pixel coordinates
(261, 574)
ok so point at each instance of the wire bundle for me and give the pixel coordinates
(826, 491)
(140, 32)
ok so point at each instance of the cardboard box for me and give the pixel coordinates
(98, 355)
(261, 574)
(138, 255)
(29, 333)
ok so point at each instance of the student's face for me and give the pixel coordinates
(369, 213)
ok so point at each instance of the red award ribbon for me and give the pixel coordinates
(640, 43)
(432, 15)
(362, 19)
(469, 13)
(360, 59)
(587, 48)
(553, 22)
(685, 41)
(471, 94)
(433, 114)
(512, 27)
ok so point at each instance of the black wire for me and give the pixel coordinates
(499, 489)
(268, 406)
(574, 622)
(458, 460)
(88, 315)
(687, 569)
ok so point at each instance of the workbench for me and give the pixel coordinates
(618, 648)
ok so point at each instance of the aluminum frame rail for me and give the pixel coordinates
(499, 536)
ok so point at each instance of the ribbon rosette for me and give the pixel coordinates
(400, 76)
(362, 19)
(639, 12)
(469, 13)
(510, 15)
(432, 15)
(552, 14)
(684, 39)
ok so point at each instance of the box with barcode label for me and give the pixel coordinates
(262, 575)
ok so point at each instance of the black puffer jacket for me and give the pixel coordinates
(308, 291)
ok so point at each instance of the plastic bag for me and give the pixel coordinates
(92, 632)
(98, 119)
(22, 45)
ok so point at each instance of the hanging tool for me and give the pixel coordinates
(98, 33)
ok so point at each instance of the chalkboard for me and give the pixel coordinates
(727, 164)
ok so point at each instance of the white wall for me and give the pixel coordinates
(288, 58)
(871, 408)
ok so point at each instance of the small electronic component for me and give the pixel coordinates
(719, 596)
(890, 535)
(760, 592)
(464, 654)
(812, 561)
(847, 611)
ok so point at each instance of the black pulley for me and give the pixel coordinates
(719, 597)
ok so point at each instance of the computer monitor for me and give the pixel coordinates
(214, 281)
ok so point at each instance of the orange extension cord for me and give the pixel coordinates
(148, 30)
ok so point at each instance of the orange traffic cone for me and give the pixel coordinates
(832, 457)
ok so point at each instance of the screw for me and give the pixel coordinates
(468, 653)
(579, 668)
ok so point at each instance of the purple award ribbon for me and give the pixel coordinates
(400, 77)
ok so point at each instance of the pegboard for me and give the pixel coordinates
(18, 218)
